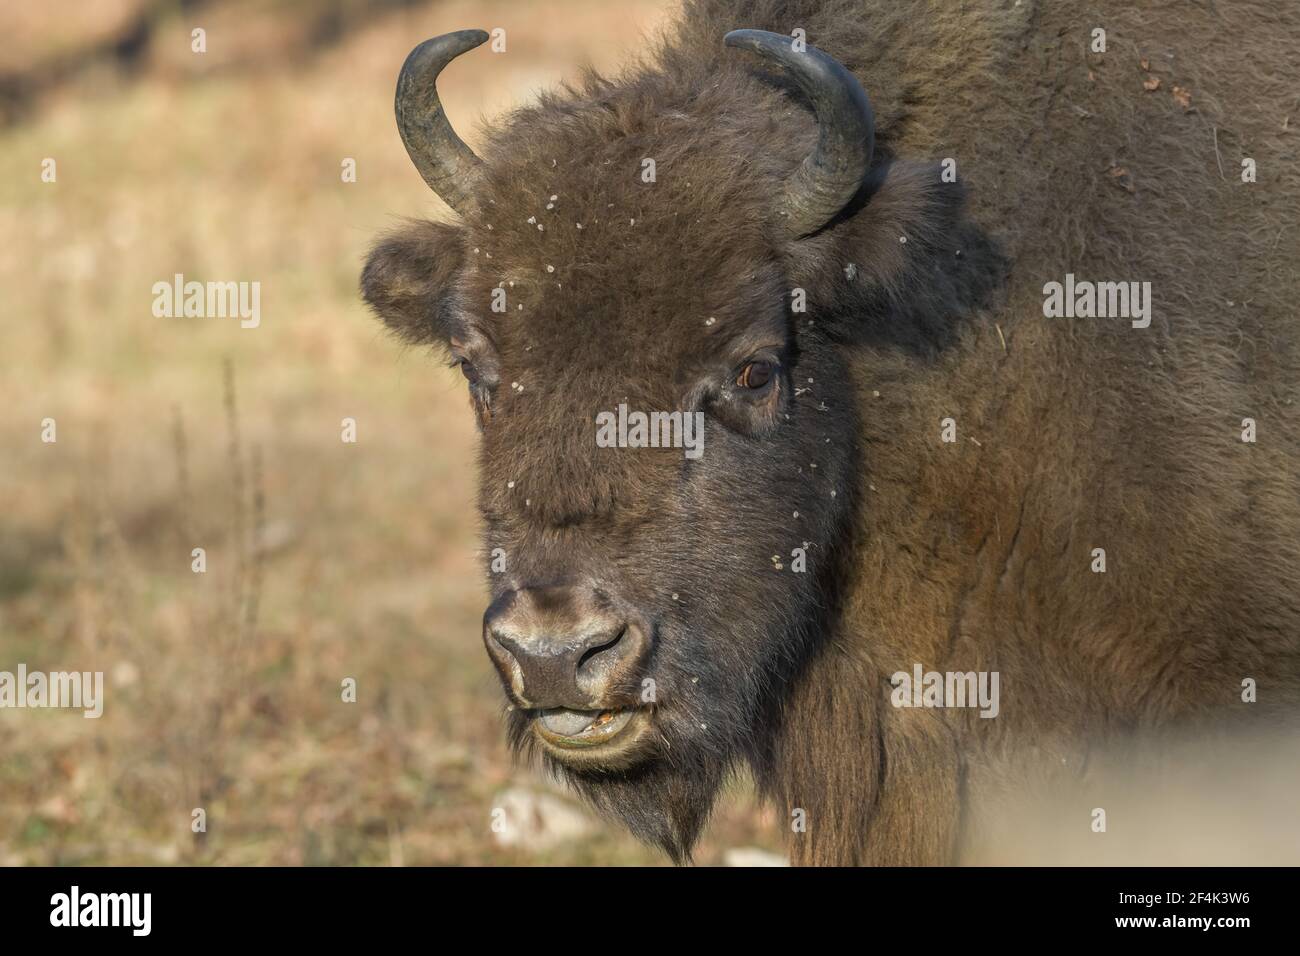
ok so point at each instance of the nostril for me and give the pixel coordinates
(600, 648)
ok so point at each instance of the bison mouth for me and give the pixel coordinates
(591, 738)
(581, 728)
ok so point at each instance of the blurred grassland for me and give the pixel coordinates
(325, 560)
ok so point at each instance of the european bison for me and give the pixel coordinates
(990, 317)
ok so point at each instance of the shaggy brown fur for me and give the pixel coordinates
(1072, 434)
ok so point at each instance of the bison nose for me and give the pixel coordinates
(564, 647)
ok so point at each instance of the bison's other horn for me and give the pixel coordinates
(446, 163)
(833, 173)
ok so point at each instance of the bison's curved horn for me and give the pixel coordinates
(446, 163)
(832, 174)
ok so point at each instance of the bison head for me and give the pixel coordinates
(705, 238)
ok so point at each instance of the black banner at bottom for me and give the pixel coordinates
(334, 906)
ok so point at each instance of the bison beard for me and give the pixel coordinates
(662, 803)
(778, 178)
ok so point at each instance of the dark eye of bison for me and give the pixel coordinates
(755, 375)
(469, 371)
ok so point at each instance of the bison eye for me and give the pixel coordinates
(469, 371)
(755, 375)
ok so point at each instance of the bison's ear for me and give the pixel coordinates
(409, 278)
(900, 257)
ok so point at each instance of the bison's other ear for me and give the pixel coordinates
(901, 263)
(409, 277)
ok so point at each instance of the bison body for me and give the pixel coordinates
(933, 473)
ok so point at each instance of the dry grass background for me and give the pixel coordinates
(325, 560)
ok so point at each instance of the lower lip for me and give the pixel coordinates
(604, 730)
